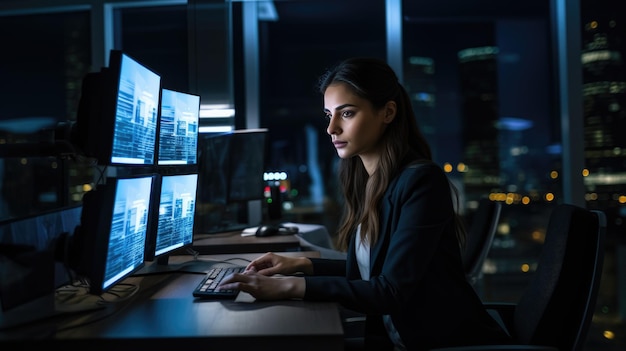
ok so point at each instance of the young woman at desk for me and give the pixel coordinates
(400, 228)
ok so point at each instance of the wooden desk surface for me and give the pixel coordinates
(163, 315)
(233, 242)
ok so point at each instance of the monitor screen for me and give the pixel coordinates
(178, 128)
(230, 171)
(28, 256)
(232, 166)
(118, 111)
(175, 216)
(111, 241)
(213, 168)
(247, 164)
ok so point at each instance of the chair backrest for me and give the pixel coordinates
(557, 307)
(480, 236)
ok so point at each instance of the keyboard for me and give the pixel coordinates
(206, 288)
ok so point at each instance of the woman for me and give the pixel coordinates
(400, 229)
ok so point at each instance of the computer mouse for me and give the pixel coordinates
(269, 230)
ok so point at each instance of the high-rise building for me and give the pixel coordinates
(479, 87)
(604, 93)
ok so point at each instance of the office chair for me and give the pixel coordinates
(480, 236)
(555, 311)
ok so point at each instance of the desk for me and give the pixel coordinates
(163, 315)
(233, 242)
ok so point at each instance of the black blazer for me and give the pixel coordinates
(416, 270)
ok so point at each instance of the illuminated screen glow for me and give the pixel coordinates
(177, 207)
(178, 131)
(128, 228)
(135, 130)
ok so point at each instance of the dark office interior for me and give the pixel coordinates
(523, 102)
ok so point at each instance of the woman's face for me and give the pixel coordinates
(353, 124)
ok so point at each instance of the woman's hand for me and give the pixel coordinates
(271, 263)
(263, 287)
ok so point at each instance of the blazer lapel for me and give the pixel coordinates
(378, 252)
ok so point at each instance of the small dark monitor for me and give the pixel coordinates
(29, 266)
(117, 114)
(40, 232)
(232, 166)
(230, 170)
(213, 168)
(173, 223)
(111, 240)
(247, 164)
(178, 128)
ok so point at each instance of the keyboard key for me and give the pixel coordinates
(206, 288)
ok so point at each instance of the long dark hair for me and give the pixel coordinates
(402, 143)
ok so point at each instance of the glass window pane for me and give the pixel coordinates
(42, 66)
(309, 37)
(481, 83)
(157, 37)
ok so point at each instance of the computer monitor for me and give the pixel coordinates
(247, 164)
(230, 168)
(117, 114)
(173, 219)
(178, 128)
(41, 232)
(213, 168)
(110, 243)
(29, 266)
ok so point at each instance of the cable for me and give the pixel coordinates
(227, 260)
(66, 255)
(116, 290)
(193, 252)
(238, 258)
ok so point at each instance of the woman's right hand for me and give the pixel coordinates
(271, 263)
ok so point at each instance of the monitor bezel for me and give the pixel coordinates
(217, 210)
(93, 236)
